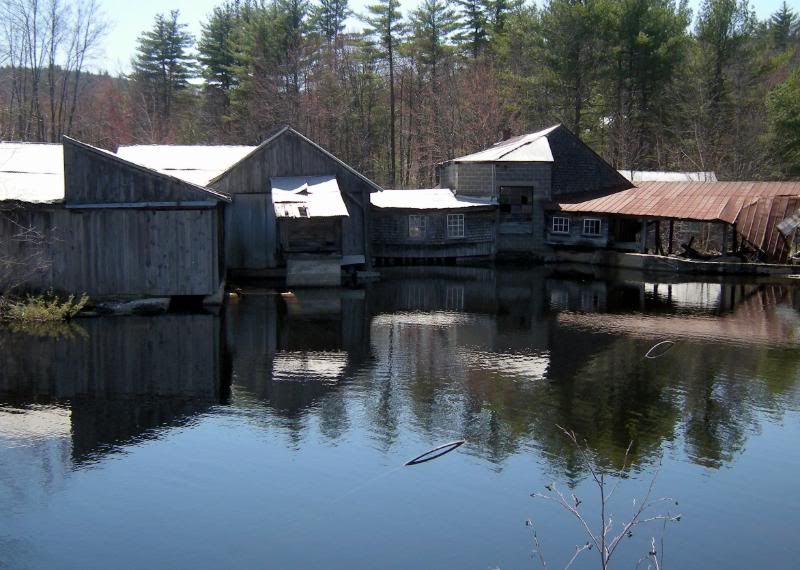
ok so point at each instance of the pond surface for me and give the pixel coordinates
(274, 435)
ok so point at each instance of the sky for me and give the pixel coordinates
(129, 19)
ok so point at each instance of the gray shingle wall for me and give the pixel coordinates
(575, 236)
(577, 169)
(392, 227)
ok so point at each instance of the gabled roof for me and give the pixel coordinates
(289, 130)
(150, 171)
(532, 147)
(426, 199)
(31, 172)
(196, 164)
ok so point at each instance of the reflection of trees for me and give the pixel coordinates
(596, 383)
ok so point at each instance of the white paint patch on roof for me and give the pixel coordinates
(663, 176)
(533, 147)
(31, 172)
(307, 197)
(194, 164)
(425, 199)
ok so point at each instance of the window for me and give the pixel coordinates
(560, 225)
(516, 203)
(416, 226)
(455, 225)
(591, 227)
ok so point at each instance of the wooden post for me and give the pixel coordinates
(659, 248)
(643, 238)
(724, 238)
(671, 232)
(735, 240)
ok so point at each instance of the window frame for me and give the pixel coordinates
(422, 227)
(599, 227)
(564, 219)
(459, 224)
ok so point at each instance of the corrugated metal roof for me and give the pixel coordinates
(194, 164)
(426, 199)
(533, 147)
(31, 172)
(759, 223)
(307, 197)
(699, 201)
(665, 176)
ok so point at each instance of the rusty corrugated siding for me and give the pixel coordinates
(758, 223)
(699, 201)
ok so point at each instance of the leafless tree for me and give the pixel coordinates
(46, 45)
(606, 538)
(23, 253)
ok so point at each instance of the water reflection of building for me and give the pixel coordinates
(292, 351)
(109, 382)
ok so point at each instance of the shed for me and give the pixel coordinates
(627, 212)
(117, 229)
(432, 224)
(255, 241)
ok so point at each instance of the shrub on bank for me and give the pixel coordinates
(48, 307)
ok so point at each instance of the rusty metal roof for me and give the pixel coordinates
(759, 223)
(698, 201)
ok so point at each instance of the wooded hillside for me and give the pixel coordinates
(645, 82)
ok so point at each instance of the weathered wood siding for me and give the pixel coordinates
(289, 154)
(93, 177)
(390, 236)
(122, 251)
(250, 232)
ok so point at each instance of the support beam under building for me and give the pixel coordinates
(643, 239)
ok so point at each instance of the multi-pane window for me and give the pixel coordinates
(416, 226)
(591, 227)
(516, 203)
(455, 225)
(560, 225)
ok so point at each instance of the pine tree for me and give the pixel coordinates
(386, 26)
(782, 27)
(217, 46)
(474, 21)
(162, 63)
(328, 17)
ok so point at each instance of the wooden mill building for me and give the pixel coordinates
(80, 219)
(294, 204)
(523, 175)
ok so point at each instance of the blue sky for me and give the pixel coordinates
(129, 19)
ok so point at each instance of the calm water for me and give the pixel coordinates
(273, 436)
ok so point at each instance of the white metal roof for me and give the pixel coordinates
(425, 199)
(663, 176)
(307, 197)
(195, 164)
(31, 172)
(533, 147)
